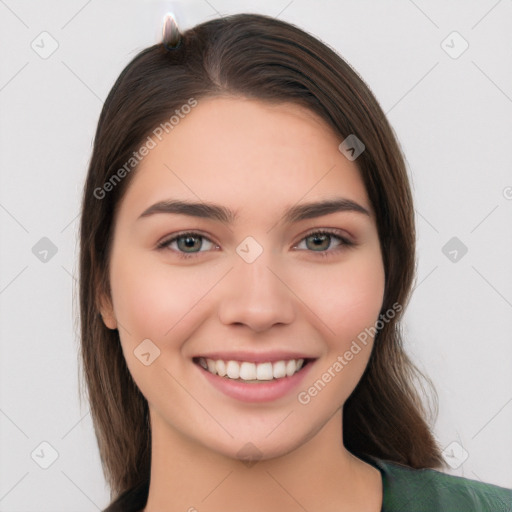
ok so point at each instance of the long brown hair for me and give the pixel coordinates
(257, 57)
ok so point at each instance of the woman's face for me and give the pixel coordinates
(256, 283)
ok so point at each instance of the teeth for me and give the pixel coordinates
(233, 370)
(290, 367)
(210, 365)
(220, 367)
(279, 369)
(247, 371)
(252, 371)
(264, 371)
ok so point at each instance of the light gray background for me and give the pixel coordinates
(453, 117)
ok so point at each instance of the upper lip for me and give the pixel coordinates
(255, 357)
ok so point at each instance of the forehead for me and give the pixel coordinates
(243, 151)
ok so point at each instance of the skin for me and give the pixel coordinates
(256, 159)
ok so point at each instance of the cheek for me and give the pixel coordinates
(348, 301)
(156, 301)
(347, 297)
(138, 299)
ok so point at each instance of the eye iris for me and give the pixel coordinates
(321, 238)
(190, 242)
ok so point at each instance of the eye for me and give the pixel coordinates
(185, 244)
(320, 241)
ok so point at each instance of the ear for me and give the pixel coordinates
(107, 312)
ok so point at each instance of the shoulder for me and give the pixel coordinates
(429, 490)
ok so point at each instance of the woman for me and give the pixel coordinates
(247, 250)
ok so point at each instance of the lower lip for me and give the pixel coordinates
(266, 391)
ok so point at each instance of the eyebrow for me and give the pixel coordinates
(220, 213)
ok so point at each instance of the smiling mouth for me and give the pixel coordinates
(244, 371)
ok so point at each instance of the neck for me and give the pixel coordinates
(186, 476)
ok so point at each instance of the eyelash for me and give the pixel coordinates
(345, 243)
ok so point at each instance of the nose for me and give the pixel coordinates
(256, 295)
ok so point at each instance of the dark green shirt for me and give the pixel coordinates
(428, 490)
(405, 490)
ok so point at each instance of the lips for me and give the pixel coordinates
(277, 375)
